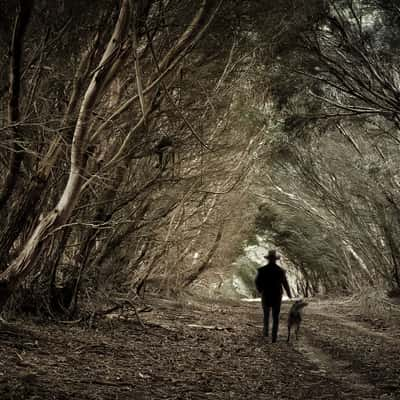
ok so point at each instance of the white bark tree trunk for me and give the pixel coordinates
(103, 75)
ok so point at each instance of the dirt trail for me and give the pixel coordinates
(200, 351)
(363, 353)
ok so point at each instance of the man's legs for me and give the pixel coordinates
(266, 309)
(276, 309)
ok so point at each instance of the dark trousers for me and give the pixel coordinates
(275, 305)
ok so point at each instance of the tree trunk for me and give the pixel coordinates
(17, 151)
(27, 204)
(25, 262)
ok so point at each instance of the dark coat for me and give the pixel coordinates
(270, 281)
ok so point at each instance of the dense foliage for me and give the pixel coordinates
(144, 142)
(333, 185)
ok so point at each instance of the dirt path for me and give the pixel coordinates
(200, 351)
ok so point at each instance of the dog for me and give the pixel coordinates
(295, 317)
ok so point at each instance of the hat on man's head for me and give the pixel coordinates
(272, 255)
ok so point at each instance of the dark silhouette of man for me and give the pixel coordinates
(269, 282)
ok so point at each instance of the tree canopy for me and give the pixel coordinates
(144, 143)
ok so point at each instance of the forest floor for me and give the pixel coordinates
(203, 350)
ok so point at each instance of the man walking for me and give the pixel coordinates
(269, 282)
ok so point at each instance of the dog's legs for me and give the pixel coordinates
(297, 331)
(288, 336)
